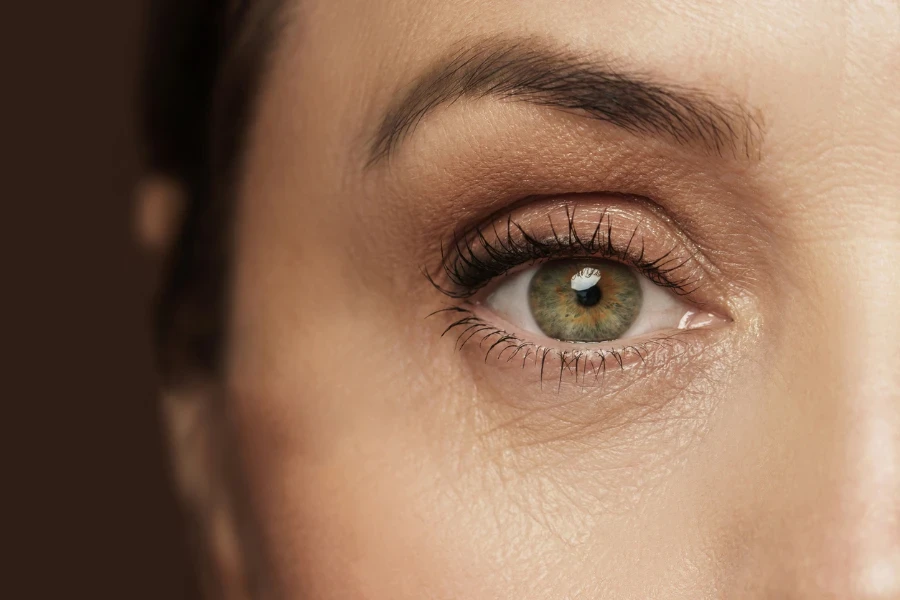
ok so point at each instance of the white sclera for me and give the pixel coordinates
(660, 308)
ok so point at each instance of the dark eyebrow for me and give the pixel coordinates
(531, 71)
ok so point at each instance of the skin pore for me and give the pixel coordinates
(752, 149)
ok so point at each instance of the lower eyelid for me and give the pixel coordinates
(690, 320)
(503, 299)
(553, 364)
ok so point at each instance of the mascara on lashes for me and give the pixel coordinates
(485, 254)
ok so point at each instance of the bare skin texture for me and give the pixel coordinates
(756, 455)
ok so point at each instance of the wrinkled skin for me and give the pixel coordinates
(375, 461)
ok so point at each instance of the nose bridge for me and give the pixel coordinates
(852, 499)
(863, 281)
(844, 467)
(841, 531)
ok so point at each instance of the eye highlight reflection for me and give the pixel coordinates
(578, 301)
(586, 301)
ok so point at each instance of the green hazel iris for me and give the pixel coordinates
(584, 301)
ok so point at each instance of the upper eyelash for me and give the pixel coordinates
(475, 261)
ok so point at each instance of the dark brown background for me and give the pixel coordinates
(92, 512)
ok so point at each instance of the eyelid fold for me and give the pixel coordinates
(602, 226)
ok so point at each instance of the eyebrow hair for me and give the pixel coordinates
(531, 71)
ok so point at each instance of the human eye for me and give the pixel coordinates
(587, 301)
(578, 285)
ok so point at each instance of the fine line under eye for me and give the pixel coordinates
(554, 365)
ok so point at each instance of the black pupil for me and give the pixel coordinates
(588, 297)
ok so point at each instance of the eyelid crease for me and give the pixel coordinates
(498, 246)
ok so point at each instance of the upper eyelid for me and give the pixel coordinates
(498, 256)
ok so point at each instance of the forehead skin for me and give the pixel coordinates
(381, 464)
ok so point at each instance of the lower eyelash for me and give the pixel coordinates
(581, 364)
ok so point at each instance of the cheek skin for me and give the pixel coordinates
(346, 486)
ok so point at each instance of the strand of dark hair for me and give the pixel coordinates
(202, 65)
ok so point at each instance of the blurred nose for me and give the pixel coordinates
(847, 545)
(844, 538)
(836, 530)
